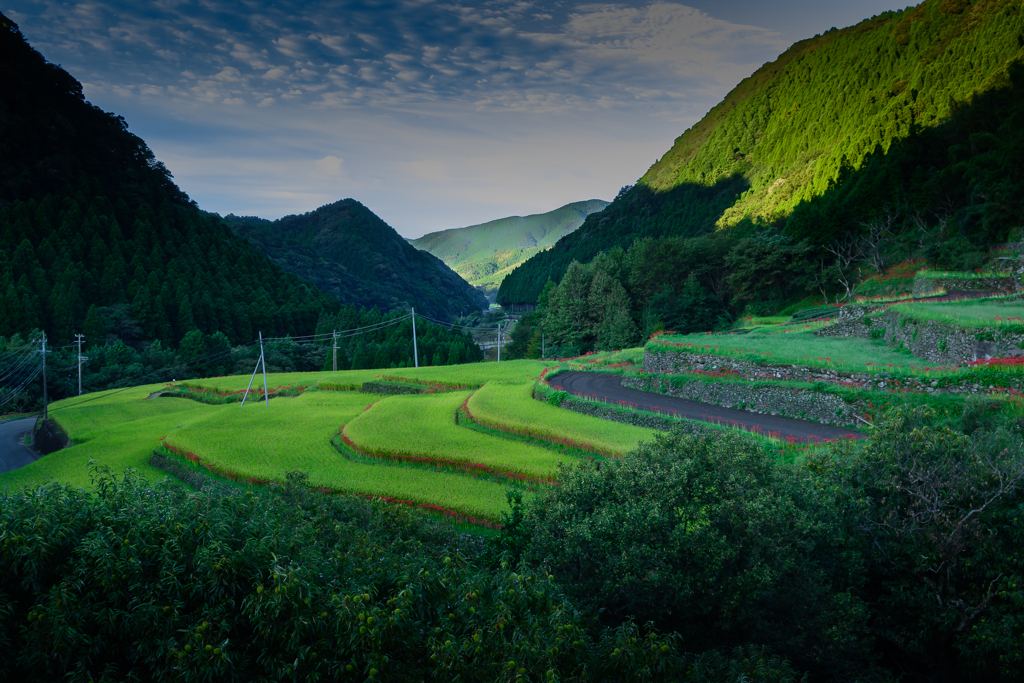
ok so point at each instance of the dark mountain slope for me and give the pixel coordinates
(801, 126)
(51, 137)
(350, 253)
(95, 236)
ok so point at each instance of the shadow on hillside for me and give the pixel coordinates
(688, 210)
(947, 192)
(960, 181)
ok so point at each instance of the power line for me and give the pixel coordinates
(163, 371)
(22, 362)
(28, 380)
(24, 370)
(173, 369)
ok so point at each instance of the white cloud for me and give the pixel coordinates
(329, 165)
(444, 113)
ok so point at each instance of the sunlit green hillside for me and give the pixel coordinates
(483, 254)
(905, 120)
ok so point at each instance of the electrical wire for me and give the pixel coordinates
(21, 362)
(13, 393)
(450, 326)
(15, 377)
(270, 341)
(29, 346)
(355, 331)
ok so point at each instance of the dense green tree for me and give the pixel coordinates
(159, 583)
(353, 255)
(706, 535)
(939, 519)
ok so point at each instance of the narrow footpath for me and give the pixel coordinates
(607, 388)
(13, 452)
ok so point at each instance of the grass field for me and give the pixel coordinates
(120, 429)
(295, 435)
(989, 312)
(801, 348)
(423, 428)
(471, 375)
(512, 407)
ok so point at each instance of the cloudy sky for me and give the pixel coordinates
(433, 114)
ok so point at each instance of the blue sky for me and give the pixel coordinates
(433, 114)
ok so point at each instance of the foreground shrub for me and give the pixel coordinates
(940, 518)
(708, 536)
(137, 583)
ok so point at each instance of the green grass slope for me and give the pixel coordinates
(353, 255)
(804, 126)
(483, 254)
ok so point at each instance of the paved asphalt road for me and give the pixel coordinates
(13, 453)
(606, 387)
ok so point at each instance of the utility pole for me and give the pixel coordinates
(335, 338)
(45, 397)
(254, 371)
(415, 351)
(499, 339)
(266, 394)
(78, 340)
(542, 350)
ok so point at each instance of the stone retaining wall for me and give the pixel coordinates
(673, 362)
(935, 341)
(761, 398)
(923, 286)
(618, 414)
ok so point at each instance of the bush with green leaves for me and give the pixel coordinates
(940, 519)
(706, 535)
(136, 583)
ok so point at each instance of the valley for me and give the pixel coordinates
(758, 418)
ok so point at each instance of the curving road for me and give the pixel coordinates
(607, 387)
(14, 453)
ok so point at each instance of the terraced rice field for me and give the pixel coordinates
(511, 407)
(798, 348)
(295, 435)
(470, 375)
(257, 443)
(994, 312)
(397, 427)
(118, 429)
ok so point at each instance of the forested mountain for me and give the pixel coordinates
(484, 254)
(898, 136)
(95, 237)
(350, 253)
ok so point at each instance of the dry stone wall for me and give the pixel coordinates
(682, 362)
(924, 286)
(761, 397)
(935, 341)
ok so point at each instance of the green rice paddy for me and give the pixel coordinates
(412, 441)
(797, 348)
(512, 407)
(423, 429)
(989, 312)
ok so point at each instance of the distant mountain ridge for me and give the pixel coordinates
(348, 252)
(483, 254)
